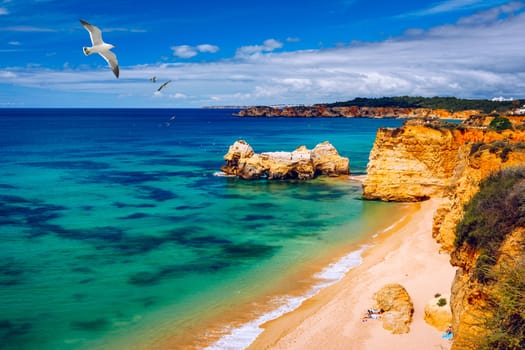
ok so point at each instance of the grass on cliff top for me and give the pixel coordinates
(494, 212)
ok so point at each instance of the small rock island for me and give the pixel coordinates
(301, 164)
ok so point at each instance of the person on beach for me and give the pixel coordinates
(447, 334)
(373, 314)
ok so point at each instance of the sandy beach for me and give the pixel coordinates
(406, 254)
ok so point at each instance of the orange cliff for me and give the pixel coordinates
(424, 160)
(418, 160)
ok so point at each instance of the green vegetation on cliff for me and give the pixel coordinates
(451, 104)
(496, 211)
(506, 305)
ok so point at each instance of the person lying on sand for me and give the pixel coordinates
(373, 314)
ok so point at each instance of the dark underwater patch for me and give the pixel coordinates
(83, 270)
(147, 301)
(192, 207)
(127, 205)
(65, 164)
(86, 281)
(265, 205)
(11, 273)
(20, 211)
(135, 216)
(95, 325)
(253, 226)
(10, 199)
(149, 278)
(139, 244)
(126, 177)
(255, 217)
(192, 237)
(102, 233)
(155, 193)
(248, 251)
(9, 330)
(7, 187)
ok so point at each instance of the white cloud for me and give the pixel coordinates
(3, 11)
(26, 29)
(207, 48)
(14, 43)
(187, 51)
(268, 46)
(455, 5)
(184, 51)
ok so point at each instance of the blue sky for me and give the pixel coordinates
(234, 52)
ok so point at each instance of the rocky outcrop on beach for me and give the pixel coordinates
(438, 313)
(325, 111)
(398, 308)
(301, 163)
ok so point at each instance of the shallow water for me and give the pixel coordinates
(112, 222)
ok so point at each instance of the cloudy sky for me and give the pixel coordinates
(238, 52)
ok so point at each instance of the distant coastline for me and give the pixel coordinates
(390, 107)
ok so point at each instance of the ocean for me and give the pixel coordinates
(116, 232)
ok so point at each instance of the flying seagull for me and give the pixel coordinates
(163, 85)
(100, 47)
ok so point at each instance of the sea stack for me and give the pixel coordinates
(301, 163)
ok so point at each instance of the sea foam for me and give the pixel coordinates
(241, 337)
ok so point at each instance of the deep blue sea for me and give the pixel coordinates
(115, 231)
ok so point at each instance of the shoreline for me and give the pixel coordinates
(331, 319)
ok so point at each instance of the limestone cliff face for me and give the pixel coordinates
(302, 163)
(421, 160)
(410, 163)
(353, 112)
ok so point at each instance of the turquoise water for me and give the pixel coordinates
(112, 222)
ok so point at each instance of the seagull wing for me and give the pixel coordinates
(94, 33)
(111, 59)
(163, 85)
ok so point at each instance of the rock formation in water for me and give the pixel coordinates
(302, 163)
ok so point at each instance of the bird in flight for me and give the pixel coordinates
(163, 85)
(100, 47)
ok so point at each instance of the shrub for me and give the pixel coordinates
(476, 147)
(500, 124)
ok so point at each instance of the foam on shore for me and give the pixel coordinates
(241, 337)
